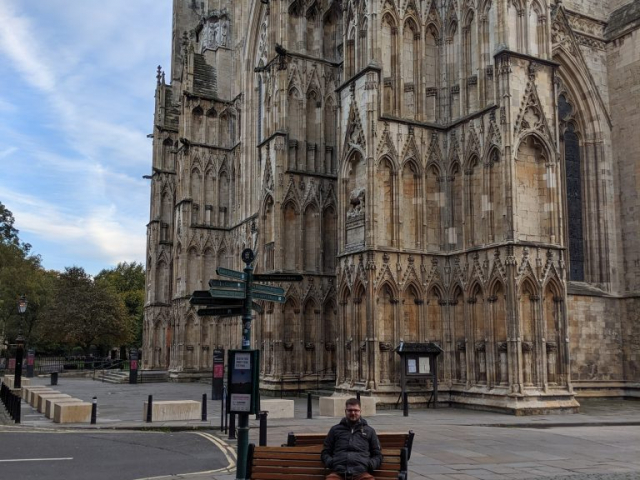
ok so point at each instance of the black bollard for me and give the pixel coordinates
(309, 410)
(94, 410)
(263, 429)
(204, 407)
(223, 417)
(358, 396)
(405, 404)
(150, 409)
(232, 426)
(18, 400)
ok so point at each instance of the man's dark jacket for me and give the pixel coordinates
(352, 449)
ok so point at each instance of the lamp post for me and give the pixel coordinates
(22, 308)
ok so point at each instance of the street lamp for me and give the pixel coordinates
(22, 308)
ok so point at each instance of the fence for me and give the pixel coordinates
(11, 401)
(43, 365)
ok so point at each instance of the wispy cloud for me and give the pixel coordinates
(7, 152)
(74, 153)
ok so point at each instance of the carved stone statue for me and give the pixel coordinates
(356, 202)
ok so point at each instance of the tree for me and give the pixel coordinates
(20, 274)
(84, 313)
(128, 281)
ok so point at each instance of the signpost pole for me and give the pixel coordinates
(243, 418)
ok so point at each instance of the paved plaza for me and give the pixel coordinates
(600, 442)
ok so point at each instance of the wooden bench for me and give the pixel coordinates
(302, 463)
(387, 440)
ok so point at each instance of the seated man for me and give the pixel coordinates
(352, 449)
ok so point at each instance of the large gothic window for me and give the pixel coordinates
(574, 192)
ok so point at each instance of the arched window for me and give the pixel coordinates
(573, 178)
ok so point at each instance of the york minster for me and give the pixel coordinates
(462, 172)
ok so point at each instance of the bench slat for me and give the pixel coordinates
(298, 463)
(387, 440)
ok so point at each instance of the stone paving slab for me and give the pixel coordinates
(600, 443)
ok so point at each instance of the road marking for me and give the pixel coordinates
(35, 459)
(227, 449)
(224, 447)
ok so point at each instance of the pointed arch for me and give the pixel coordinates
(474, 193)
(411, 301)
(329, 239)
(389, 49)
(385, 216)
(535, 190)
(291, 231)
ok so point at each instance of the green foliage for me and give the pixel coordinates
(85, 312)
(128, 281)
(20, 274)
(70, 309)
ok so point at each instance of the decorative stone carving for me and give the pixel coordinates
(309, 346)
(357, 203)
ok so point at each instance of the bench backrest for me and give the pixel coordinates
(387, 440)
(287, 463)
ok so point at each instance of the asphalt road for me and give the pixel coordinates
(109, 455)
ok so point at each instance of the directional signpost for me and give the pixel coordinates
(232, 298)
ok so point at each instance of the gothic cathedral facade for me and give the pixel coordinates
(460, 172)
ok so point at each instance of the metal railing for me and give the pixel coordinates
(12, 402)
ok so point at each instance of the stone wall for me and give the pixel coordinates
(624, 71)
(596, 339)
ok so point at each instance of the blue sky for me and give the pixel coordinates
(77, 83)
